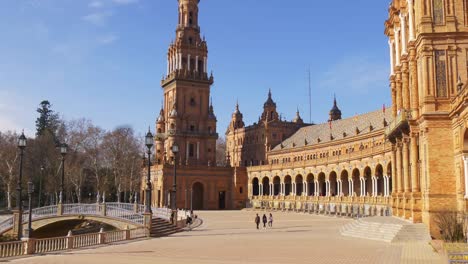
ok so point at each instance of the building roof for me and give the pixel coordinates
(337, 130)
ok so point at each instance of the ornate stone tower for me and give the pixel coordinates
(187, 117)
(428, 57)
(335, 112)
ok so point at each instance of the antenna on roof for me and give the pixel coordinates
(310, 100)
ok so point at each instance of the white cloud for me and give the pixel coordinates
(107, 39)
(95, 4)
(125, 2)
(98, 18)
(359, 74)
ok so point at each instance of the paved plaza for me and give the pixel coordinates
(231, 237)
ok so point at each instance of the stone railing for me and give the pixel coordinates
(34, 246)
(343, 206)
(12, 249)
(163, 213)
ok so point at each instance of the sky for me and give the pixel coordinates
(104, 59)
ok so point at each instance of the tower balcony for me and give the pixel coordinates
(399, 125)
(187, 75)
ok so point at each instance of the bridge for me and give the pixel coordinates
(129, 219)
(119, 215)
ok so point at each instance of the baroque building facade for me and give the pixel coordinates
(187, 119)
(410, 161)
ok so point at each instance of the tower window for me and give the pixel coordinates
(192, 101)
(190, 40)
(191, 150)
(192, 128)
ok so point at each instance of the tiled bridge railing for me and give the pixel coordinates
(346, 206)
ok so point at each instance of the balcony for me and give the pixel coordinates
(399, 124)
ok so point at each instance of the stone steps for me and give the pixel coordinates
(162, 228)
(387, 230)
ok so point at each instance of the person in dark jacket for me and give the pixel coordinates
(257, 221)
(265, 220)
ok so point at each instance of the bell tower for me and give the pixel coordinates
(189, 119)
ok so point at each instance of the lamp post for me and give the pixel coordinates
(149, 141)
(28, 232)
(40, 186)
(19, 202)
(63, 152)
(175, 150)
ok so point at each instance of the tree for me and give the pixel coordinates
(9, 162)
(221, 152)
(48, 120)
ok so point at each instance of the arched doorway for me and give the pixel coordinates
(310, 185)
(287, 185)
(299, 185)
(344, 183)
(380, 180)
(276, 185)
(197, 197)
(255, 187)
(322, 186)
(266, 186)
(333, 184)
(368, 181)
(356, 182)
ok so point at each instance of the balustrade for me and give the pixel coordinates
(12, 249)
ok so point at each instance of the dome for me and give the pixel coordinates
(269, 102)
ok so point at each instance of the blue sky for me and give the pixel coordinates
(104, 59)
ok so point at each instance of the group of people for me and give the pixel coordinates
(265, 220)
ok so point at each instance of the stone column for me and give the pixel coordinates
(351, 188)
(260, 189)
(363, 187)
(385, 186)
(405, 82)
(465, 163)
(399, 96)
(394, 95)
(316, 189)
(404, 50)
(392, 57)
(205, 65)
(414, 165)
(188, 62)
(373, 186)
(411, 20)
(398, 167)
(168, 66)
(180, 61)
(397, 46)
(414, 83)
(406, 176)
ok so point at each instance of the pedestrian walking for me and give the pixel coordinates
(264, 218)
(270, 221)
(257, 221)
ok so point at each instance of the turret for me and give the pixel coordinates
(237, 119)
(335, 112)
(269, 109)
(298, 119)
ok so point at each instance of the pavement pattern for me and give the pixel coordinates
(231, 237)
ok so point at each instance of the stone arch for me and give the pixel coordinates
(322, 187)
(380, 180)
(299, 181)
(332, 178)
(310, 184)
(367, 175)
(255, 187)
(287, 185)
(199, 196)
(276, 185)
(266, 185)
(390, 178)
(344, 183)
(356, 177)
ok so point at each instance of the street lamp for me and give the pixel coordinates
(175, 150)
(40, 186)
(19, 202)
(63, 152)
(149, 142)
(28, 232)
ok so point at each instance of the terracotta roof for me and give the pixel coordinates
(310, 135)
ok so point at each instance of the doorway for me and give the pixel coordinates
(222, 200)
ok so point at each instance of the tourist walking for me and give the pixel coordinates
(257, 221)
(270, 221)
(264, 218)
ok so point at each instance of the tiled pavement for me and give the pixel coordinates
(230, 237)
